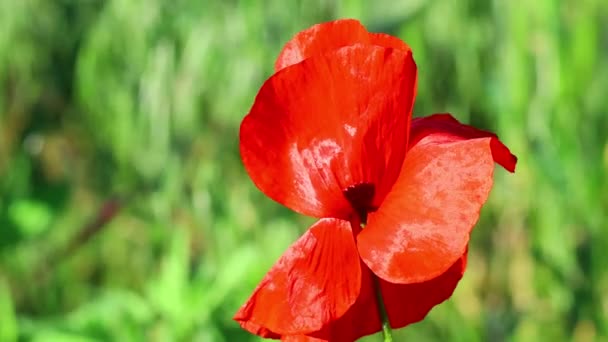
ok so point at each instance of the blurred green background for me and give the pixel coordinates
(126, 215)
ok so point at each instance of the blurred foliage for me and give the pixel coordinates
(125, 213)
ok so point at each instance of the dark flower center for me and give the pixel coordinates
(360, 197)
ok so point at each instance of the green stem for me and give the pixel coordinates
(386, 326)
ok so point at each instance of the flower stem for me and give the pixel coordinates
(386, 326)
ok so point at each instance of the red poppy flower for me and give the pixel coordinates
(330, 135)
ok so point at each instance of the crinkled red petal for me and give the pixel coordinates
(423, 225)
(315, 282)
(447, 128)
(404, 303)
(259, 330)
(333, 121)
(361, 319)
(386, 40)
(409, 303)
(329, 36)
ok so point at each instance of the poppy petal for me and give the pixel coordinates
(259, 330)
(386, 40)
(330, 122)
(423, 225)
(360, 320)
(326, 37)
(304, 290)
(404, 303)
(447, 128)
(409, 303)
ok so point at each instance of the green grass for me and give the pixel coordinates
(137, 104)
